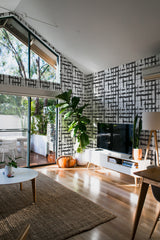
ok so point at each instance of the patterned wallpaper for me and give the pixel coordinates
(119, 93)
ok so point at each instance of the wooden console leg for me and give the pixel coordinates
(21, 186)
(135, 181)
(34, 189)
(138, 181)
(88, 164)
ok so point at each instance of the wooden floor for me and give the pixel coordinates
(35, 160)
(115, 192)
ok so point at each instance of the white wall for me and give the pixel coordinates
(9, 122)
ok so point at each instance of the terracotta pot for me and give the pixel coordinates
(137, 154)
(51, 158)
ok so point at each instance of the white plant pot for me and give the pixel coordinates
(8, 171)
(81, 158)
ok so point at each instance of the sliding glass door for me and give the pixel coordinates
(13, 127)
(43, 131)
(14, 119)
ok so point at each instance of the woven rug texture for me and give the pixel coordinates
(59, 213)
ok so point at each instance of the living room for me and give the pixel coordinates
(114, 90)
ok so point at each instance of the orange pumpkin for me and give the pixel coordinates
(66, 162)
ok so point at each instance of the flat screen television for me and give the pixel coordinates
(115, 137)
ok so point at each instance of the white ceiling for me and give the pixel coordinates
(95, 34)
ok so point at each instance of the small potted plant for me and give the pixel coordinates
(137, 128)
(9, 164)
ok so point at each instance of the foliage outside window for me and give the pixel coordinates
(16, 106)
(42, 113)
(14, 55)
(40, 70)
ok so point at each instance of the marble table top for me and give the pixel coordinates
(20, 175)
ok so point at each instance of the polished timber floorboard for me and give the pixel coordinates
(115, 192)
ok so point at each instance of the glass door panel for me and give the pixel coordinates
(43, 131)
(13, 127)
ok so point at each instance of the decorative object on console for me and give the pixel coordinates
(151, 121)
(137, 128)
(66, 161)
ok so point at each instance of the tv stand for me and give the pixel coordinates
(119, 162)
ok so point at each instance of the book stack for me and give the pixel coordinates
(112, 160)
(128, 164)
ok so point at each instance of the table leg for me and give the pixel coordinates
(135, 181)
(88, 164)
(34, 189)
(21, 186)
(142, 196)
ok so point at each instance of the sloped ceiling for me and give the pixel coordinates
(95, 34)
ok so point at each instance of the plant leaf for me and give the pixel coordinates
(65, 96)
(85, 120)
(84, 140)
(62, 110)
(61, 104)
(82, 127)
(75, 131)
(68, 114)
(75, 101)
(71, 126)
(80, 110)
(79, 149)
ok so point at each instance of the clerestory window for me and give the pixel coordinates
(22, 54)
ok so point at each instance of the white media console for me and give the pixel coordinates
(115, 161)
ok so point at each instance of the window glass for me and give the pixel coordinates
(13, 112)
(13, 54)
(43, 62)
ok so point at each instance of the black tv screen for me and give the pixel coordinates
(115, 137)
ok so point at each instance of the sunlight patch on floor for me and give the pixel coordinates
(94, 186)
(133, 198)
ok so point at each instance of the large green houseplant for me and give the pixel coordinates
(137, 128)
(77, 121)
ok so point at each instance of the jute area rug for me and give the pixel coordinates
(59, 213)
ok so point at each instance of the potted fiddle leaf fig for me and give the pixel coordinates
(137, 128)
(77, 121)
